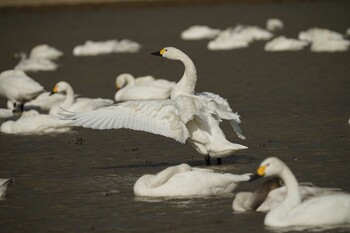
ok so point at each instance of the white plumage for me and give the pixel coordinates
(183, 180)
(31, 122)
(321, 210)
(184, 116)
(17, 87)
(70, 103)
(142, 88)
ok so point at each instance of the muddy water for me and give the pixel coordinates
(294, 105)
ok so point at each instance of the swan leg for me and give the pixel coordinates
(218, 160)
(21, 107)
(207, 160)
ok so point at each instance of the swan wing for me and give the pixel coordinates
(221, 109)
(160, 117)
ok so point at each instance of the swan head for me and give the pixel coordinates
(121, 80)
(60, 87)
(271, 166)
(169, 52)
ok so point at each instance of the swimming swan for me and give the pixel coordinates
(3, 186)
(31, 122)
(142, 88)
(75, 105)
(321, 210)
(272, 193)
(17, 87)
(183, 180)
(183, 116)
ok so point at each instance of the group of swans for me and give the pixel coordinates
(297, 205)
(286, 202)
(185, 116)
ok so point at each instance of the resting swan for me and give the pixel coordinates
(75, 105)
(142, 88)
(331, 209)
(31, 122)
(17, 87)
(183, 116)
(271, 193)
(183, 180)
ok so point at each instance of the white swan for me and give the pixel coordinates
(6, 113)
(29, 64)
(31, 122)
(331, 209)
(199, 32)
(44, 51)
(3, 186)
(142, 88)
(45, 101)
(17, 87)
(271, 193)
(183, 116)
(75, 105)
(282, 43)
(183, 180)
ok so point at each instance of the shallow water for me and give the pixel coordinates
(294, 105)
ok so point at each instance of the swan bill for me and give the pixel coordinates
(157, 54)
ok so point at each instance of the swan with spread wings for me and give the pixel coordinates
(185, 116)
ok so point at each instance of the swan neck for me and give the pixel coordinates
(69, 98)
(130, 81)
(293, 193)
(187, 83)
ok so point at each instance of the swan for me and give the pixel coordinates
(34, 64)
(282, 43)
(31, 122)
(271, 193)
(183, 180)
(183, 116)
(3, 186)
(75, 105)
(129, 88)
(17, 87)
(328, 209)
(199, 32)
(45, 101)
(274, 24)
(44, 51)
(6, 113)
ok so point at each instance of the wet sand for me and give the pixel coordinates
(294, 105)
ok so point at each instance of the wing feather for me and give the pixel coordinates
(160, 117)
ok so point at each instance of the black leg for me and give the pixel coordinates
(218, 161)
(207, 160)
(22, 107)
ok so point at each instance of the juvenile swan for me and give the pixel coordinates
(183, 116)
(183, 180)
(142, 88)
(321, 210)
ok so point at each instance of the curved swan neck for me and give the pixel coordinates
(293, 197)
(129, 80)
(69, 97)
(188, 81)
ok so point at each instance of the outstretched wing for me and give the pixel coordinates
(221, 108)
(160, 117)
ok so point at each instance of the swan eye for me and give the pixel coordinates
(267, 165)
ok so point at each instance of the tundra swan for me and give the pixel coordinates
(3, 186)
(17, 87)
(75, 105)
(45, 101)
(183, 116)
(199, 32)
(28, 64)
(183, 180)
(31, 122)
(271, 193)
(142, 88)
(328, 209)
